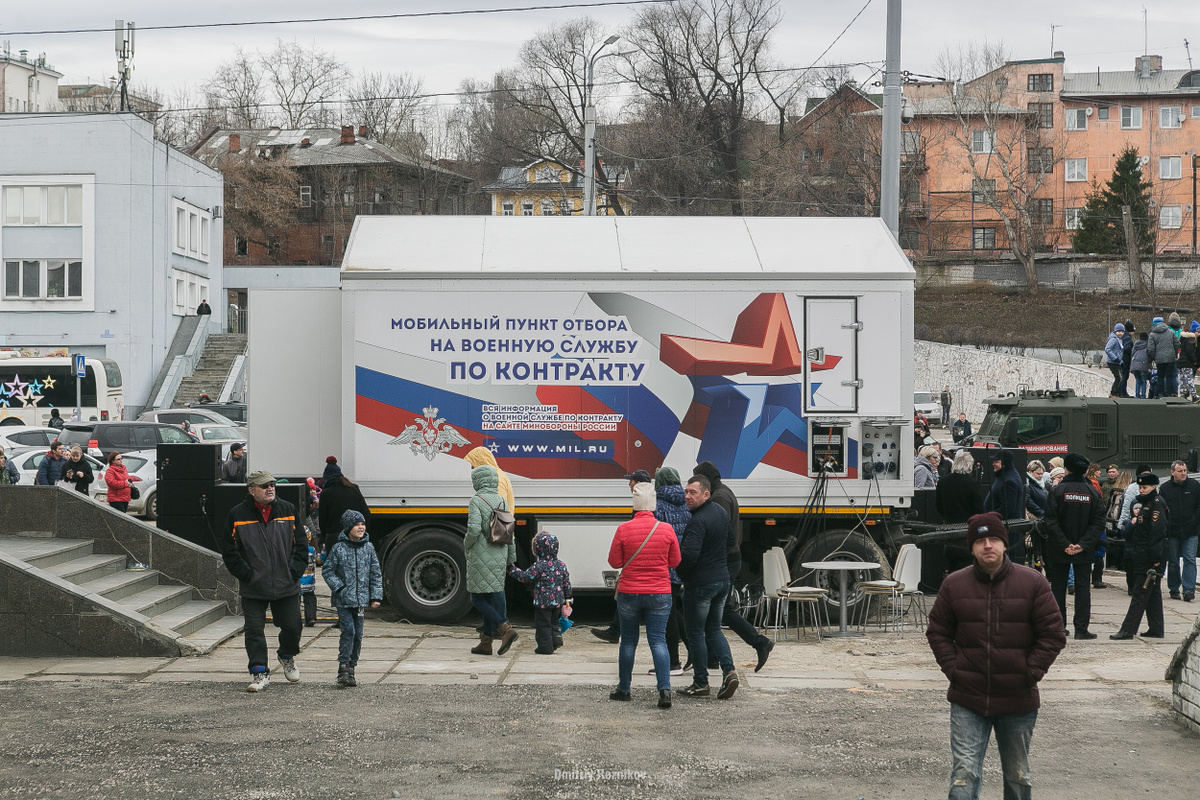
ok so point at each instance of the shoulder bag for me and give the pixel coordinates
(617, 584)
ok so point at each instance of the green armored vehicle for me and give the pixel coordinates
(1124, 431)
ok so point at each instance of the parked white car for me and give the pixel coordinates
(927, 403)
(14, 436)
(139, 463)
(225, 435)
(193, 416)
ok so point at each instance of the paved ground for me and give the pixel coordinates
(839, 718)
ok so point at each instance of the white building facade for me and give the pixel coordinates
(27, 83)
(108, 238)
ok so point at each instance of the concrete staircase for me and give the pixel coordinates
(213, 368)
(164, 618)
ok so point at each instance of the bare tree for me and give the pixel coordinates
(304, 82)
(261, 196)
(389, 105)
(236, 87)
(1008, 148)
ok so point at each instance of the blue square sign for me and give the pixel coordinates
(80, 369)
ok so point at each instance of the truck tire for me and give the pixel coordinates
(425, 576)
(840, 545)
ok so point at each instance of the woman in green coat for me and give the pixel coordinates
(487, 563)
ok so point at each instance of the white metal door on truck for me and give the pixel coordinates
(831, 379)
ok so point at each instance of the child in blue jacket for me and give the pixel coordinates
(551, 591)
(355, 581)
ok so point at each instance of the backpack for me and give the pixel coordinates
(1115, 502)
(501, 525)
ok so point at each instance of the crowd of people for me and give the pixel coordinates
(1162, 360)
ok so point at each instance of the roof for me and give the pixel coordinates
(830, 248)
(812, 103)
(324, 149)
(513, 178)
(1127, 82)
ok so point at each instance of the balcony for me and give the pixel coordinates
(913, 161)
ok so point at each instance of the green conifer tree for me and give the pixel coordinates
(1101, 229)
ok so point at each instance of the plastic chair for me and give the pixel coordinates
(906, 576)
(777, 584)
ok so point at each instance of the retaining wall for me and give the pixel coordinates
(976, 374)
(1172, 273)
(1184, 673)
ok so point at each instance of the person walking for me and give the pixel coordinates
(338, 495)
(947, 400)
(77, 471)
(994, 630)
(355, 583)
(958, 496)
(644, 549)
(1145, 549)
(1074, 522)
(119, 482)
(482, 456)
(264, 546)
(724, 497)
(612, 633)
(1114, 351)
(707, 541)
(1164, 354)
(1139, 365)
(234, 468)
(671, 507)
(1181, 495)
(487, 563)
(51, 469)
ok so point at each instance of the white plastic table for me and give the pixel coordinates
(842, 567)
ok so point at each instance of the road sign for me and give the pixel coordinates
(80, 369)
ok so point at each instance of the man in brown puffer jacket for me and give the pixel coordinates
(995, 629)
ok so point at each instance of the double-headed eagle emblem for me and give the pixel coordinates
(430, 436)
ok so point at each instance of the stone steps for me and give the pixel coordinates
(137, 594)
(212, 369)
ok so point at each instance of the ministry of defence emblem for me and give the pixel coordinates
(430, 436)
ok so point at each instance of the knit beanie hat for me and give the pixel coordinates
(666, 476)
(1195, 326)
(644, 498)
(1118, 327)
(351, 518)
(988, 524)
(1075, 464)
(332, 470)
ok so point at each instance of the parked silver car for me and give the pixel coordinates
(193, 416)
(14, 436)
(139, 463)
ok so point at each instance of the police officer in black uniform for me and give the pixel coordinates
(1145, 549)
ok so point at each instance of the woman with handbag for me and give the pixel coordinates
(644, 549)
(120, 482)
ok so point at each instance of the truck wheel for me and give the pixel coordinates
(841, 546)
(425, 576)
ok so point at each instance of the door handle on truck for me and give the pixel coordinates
(853, 326)
(857, 384)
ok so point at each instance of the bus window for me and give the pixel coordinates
(112, 373)
(44, 386)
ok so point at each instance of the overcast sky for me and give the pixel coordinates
(444, 51)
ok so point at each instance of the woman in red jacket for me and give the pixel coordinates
(119, 480)
(644, 549)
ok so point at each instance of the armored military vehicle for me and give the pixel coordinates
(1124, 431)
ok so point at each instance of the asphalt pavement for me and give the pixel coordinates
(859, 718)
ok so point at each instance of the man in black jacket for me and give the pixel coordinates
(1007, 498)
(724, 497)
(1182, 496)
(961, 429)
(1074, 522)
(704, 569)
(264, 546)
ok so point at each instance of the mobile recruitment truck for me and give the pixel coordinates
(579, 350)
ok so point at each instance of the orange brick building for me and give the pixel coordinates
(1031, 133)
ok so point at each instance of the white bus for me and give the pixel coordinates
(31, 386)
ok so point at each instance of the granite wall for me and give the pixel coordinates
(975, 374)
(1173, 273)
(1184, 673)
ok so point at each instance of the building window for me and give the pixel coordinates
(189, 290)
(547, 208)
(1041, 159)
(326, 240)
(506, 208)
(1044, 114)
(910, 238)
(193, 233)
(1076, 119)
(1072, 215)
(1170, 116)
(1041, 82)
(910, 143)
(239, 246)
(305, 196)
(347, 197)
(273, 246)
(1170, 167)
(1170, 217)
(1043, 211)
(816, 156)
(43, 205)
(566, 208)
(983, 190)
(527, 208)
(43, 279)
(204, 237)
(1131, 117)
(1076, 169)
(983, 238)
(192, 230)
(983, 142)
(1102, 112)
(1195, 112)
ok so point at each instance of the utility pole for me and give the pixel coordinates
(889, 190)
(589, 133)
(124, 48)
(1195, 161)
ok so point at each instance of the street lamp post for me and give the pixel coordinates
(589, 134)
